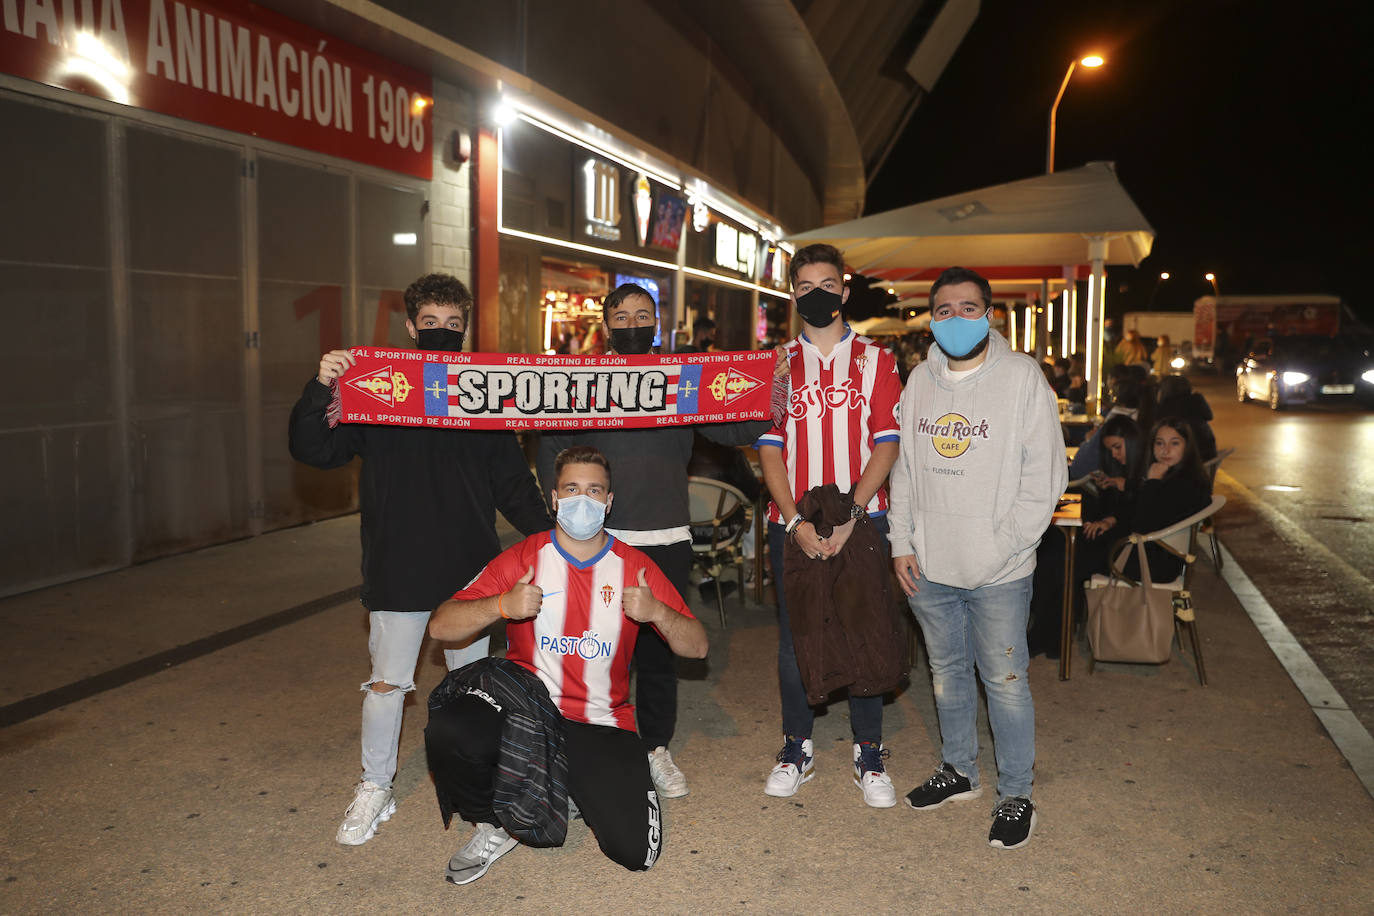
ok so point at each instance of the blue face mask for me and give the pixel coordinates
(581, 517)
(958, 337)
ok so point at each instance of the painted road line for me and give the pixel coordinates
(1330, 707)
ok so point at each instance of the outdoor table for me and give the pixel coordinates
(1068, 518)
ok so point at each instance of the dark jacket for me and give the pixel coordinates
(1193, 408)
(428, 498)
(531, 790)
(844, 625)
(1159, 504)
(648, 468)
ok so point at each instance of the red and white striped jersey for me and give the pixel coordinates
(840, 406)
(580, 644)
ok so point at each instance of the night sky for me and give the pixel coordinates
(1241, 130)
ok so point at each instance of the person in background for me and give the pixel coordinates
(1061, 381)
(1132, 350)
(703, 336)
(1178, 399)
(1116, 454)
(1163, 355)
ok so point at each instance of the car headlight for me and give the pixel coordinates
(1368, 376)
(1177, 362)
(1294, 378)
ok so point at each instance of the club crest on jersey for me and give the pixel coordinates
(607, 593)
(590, 646)
(951, 434)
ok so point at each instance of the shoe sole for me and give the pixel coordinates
(998, 844)
(664, 793)
(382, 816)
(448, 876)
(806, 777)
(961, 796)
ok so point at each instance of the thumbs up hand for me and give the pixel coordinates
(523, 600)
(638, 603)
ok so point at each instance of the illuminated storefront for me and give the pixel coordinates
(578, 217)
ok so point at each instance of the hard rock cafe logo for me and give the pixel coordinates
(951, 434)
(607, 593)
(730, 385)
(385, 385)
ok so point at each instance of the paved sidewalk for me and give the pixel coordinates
(216, 783)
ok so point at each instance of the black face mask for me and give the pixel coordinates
(820, 307)
(632, 341)
(445, 339)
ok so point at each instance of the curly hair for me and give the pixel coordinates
(438, 289)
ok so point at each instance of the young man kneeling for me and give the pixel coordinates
(574, 600)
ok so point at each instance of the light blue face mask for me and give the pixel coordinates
(581, 517)
(959, 336)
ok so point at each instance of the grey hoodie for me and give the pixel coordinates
(981, 468)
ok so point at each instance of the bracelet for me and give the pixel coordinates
(794, 524)
(499, 596)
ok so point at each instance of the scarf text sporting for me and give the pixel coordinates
(398, 387)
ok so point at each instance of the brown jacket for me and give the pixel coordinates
(844, 624)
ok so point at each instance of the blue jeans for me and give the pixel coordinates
(987, 627)
(865, 713)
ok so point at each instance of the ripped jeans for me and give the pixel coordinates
(393, 641)
(985, 627)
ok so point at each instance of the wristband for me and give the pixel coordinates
(793, 524)
(499, 596)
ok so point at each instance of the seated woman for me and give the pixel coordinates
(1175, 487)
(1115, 456)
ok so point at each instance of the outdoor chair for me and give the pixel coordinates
(1179, 539)
(720, 516)
(1209, 527)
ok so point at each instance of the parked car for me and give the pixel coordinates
(1304, 368)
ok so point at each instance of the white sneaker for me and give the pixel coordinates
(796, 765)
(668, 779)
(370, 806)
(488, 844)
(870, 775)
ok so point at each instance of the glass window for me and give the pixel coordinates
(390, 258)
(187, 341)
(303, 311)
(57, 438)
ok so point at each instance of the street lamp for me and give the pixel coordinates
(1164, 275)
(1092, 60)
(1212, 279)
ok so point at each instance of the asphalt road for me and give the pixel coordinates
(1300, 521)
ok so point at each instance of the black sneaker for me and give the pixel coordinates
(1012, 822)
(946, 785)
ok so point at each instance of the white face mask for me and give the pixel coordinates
(581, 517)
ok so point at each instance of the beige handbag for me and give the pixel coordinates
(1129, 622)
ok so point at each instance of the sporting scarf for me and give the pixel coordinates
(520, 391)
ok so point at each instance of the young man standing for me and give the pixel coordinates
(575, 601)
(840, 429)
(982, 466)
(652, 514)
(429, 499)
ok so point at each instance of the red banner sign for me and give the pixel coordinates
(230, 64)
(516, 391)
